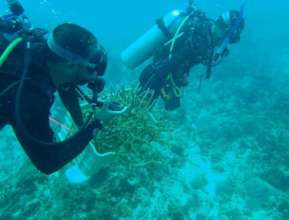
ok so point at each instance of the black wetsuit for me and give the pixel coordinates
(36, 100)
(165, 76)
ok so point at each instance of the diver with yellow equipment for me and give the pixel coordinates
(35, 64)
(178, 42)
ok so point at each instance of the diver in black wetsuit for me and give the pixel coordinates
(33, 70)
(198, 44)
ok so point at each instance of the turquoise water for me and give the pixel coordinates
(223, 155)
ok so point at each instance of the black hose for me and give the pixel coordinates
(11, 86)
(72, 146)
(19, 121)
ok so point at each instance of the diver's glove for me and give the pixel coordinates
(91, 128)
(97, 85)
(221, 54)
(107, 110)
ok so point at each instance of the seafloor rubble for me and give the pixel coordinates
(222, 156)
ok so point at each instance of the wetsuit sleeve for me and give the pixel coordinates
(69, 98)
(36, 136)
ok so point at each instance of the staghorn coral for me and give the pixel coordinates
(241, 137)
(139, 125)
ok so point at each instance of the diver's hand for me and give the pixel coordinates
(93, 127)
(108, 110)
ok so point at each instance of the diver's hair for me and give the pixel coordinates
(75, 39)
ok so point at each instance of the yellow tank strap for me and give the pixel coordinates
(9, 50)
(165, 95)
(184, 21)
(176, 90)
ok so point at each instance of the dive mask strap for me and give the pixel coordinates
(64, 53)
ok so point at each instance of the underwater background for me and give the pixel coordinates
(224, 155)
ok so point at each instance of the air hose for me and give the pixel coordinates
(176, 89)
(177, 34)
(190, 12)
(79, 140)
(9, 50)
(4, 57)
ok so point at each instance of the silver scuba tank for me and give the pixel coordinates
(144, 47)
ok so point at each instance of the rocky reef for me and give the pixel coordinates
(222, 156)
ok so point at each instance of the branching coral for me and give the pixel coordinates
(138, 126)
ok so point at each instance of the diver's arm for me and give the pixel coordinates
(69, 98)
(47, 156)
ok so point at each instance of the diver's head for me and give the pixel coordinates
(228, 26)
(76, 56)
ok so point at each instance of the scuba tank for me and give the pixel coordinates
(165, 31)
(146, 45)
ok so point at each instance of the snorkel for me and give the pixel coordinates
(236, 26)
(231, 34)
(231, 37)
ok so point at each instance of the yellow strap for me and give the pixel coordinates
(176, 89)
(177, 34)
(165, 95)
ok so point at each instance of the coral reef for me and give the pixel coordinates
(222, 156)
(139, 125)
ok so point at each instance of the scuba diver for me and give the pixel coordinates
(178, 42)
(33, 66)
